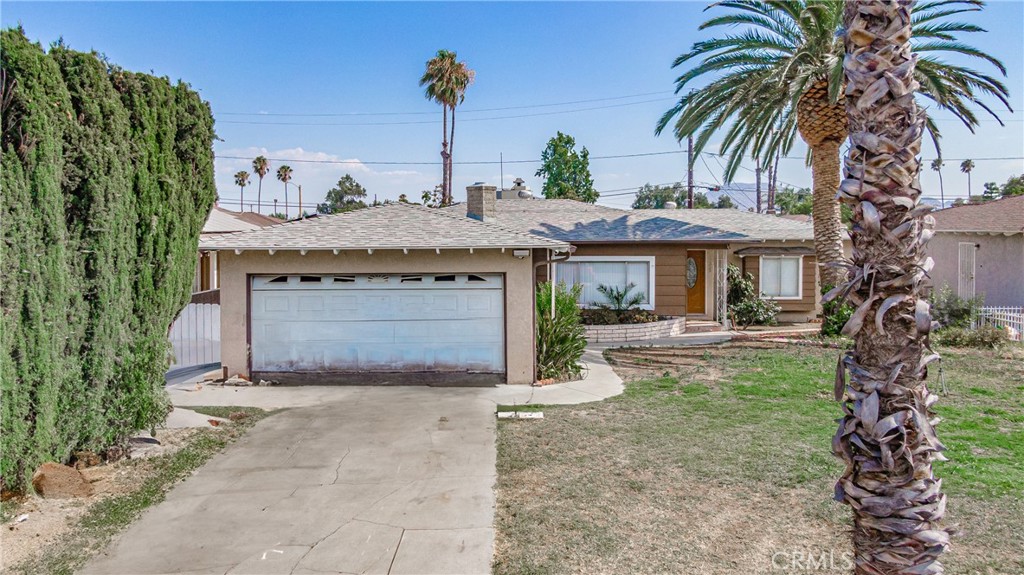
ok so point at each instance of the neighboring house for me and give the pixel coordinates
(979, 251)
(676, 258)
(223, 221)
(442, 295)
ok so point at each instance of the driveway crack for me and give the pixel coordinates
(395, 556)
(337, 470)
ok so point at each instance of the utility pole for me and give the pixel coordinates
(275, 206)
(757, 179)
(689, 172)
(300, 201)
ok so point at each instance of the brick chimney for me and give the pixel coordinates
(481, 202)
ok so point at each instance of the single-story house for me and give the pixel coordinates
(400, 290)
(382, 291)
(676, 258)
(979, 251)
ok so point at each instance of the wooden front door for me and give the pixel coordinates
(695, 282)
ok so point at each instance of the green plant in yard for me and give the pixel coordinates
(950, 310)
(746, 306)
(984, 337)
(107, 178)
(836, 313)
(619, 299)
(560, 339)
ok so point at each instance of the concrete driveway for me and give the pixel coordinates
(346, 480)
(380, 480)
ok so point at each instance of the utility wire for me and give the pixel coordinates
(608, 157)
(461, 111)
(414, 122)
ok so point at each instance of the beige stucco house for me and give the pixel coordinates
(406, 294)
(979, 251)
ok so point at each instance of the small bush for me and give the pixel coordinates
(638, 316)
(599, 316)
(985, 337)
(619, 299)
(952, 311)
(746, 307)
(835, 314)
(561, 339)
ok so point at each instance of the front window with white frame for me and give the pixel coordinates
(589, 272)
(781, 277)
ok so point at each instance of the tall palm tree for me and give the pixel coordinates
(886, 438)
(446, 80)
(242, 180)
(260, 166)
(781, 75)
(284, 174)
(937, 164)
(966, 166)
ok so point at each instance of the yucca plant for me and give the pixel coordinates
(886, 437)
(619, 299)
(561, 338)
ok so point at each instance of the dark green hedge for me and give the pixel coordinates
(107, 177)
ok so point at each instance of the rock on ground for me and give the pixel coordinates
(56, 481)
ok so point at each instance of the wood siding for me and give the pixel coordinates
(752, 265)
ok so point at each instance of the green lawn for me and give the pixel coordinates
(714, 460)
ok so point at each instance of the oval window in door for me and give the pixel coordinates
(691, 273)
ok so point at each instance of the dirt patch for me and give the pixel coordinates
(49, 520)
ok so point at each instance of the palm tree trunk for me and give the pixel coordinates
(241, 207)
(968, 185)
(259, 197)
(828, 226)
(886, 436)
(451, 155)
(286, 200)
(445, 184)
(942, 191)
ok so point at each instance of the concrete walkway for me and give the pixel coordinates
(350, 480)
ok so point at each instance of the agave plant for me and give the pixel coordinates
(619, 299)
(886, 437)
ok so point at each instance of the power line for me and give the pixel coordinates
(416, 122)
(469, 111)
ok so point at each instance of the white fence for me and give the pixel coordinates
(1009, 318)
(195, 335)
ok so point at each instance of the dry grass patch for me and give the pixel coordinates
(716, 459)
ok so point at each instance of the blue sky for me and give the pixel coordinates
(358, 65)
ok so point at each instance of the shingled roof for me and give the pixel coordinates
(391, 226)
(578, 222)
(1005, 216)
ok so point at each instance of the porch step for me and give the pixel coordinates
(702, 326)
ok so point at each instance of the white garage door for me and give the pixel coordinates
(378, 323)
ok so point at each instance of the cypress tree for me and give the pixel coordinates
(107, 179)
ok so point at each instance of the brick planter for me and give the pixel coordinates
(636, 331)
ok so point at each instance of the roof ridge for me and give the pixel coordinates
(450, 215)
